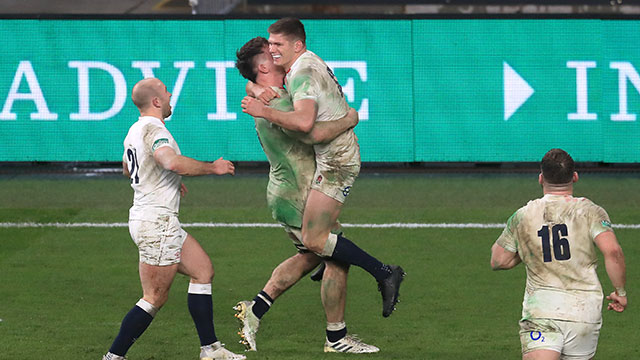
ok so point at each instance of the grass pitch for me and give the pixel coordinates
(64, 291)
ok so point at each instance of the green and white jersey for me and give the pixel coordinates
(554, 237)
(156, 190)
(311, 78)
(292, 164)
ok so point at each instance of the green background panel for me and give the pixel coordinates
(434, 87)
(459, 95)
(621, 139)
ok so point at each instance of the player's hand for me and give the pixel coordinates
(252, 106)
(262, 93)
(222, 167)
(266, 95)
(183, 190)
(618, 303)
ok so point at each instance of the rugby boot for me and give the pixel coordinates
(249, 324)
(390, 289)
(349, 344)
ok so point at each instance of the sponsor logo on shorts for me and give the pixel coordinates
(536, 335)
(318, 179)
(346, 190)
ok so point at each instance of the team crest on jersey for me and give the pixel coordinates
(318, 179)
(346, 191)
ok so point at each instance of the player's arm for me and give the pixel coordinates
(325, 131)
(616, 268)
(166, 157)
(262, 93)
(503, 259)
(125, 168)
(301, 119)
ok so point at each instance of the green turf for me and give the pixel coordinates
(63, 292)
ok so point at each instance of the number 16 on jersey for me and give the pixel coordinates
(561, 249)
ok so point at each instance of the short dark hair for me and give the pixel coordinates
(557, 167)
(245, 57)
(289, 26)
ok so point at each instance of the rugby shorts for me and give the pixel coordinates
(336, 183)
(160, 241)
(573, 340)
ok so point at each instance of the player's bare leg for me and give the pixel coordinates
(320, 216)
(285, 275)
(334, 291)
(334, 297)
(541, 355)
(289, 272)
(156, 283)
(316, 275)
(196, 264)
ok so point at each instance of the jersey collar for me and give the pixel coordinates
(151, 119)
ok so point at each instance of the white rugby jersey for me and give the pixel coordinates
(311, 78)
(554, 237)
(156, 190)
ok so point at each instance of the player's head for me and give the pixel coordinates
(251, 56)
(287, 41)
(151, 97)
(557, 168)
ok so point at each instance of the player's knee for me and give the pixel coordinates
(313, 243)
(307, 260)
(157, 297)
(315, 248)
(204, 275)
(321, 244)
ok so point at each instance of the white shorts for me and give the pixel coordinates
(296, 237)
(159, 242)
(336, 183)
(573, 340)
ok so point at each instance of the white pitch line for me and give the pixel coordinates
(274, 225)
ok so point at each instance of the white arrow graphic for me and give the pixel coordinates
(516, 90)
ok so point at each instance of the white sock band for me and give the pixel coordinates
(265, 299)
(330, 245)
(148, 307)
(336, 326)
(202, 289)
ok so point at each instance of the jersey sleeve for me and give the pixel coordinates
(600, 221)
(303, 85)
(159, 137)
(509, 237)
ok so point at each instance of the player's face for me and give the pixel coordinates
(269, 62)
(166, 103)
(282, 50)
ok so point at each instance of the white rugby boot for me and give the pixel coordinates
(349, 344)
(217, 351)
(110, 356)
(249, 324)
